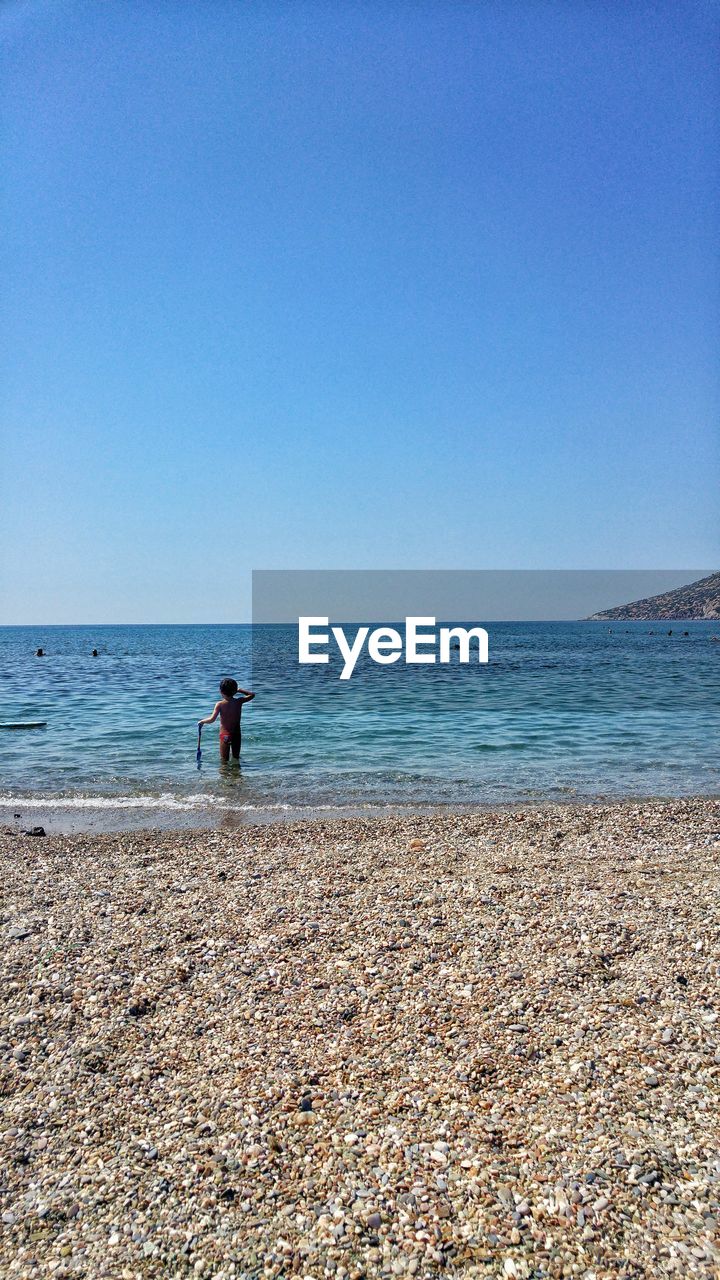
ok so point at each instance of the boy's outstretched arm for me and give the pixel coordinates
(214, 716)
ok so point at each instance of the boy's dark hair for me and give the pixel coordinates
(229, 687)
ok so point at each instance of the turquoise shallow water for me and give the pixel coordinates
(562, 711)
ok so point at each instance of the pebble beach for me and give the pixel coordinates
(462, 1045)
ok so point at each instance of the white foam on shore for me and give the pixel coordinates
(126, 802)
(165, 802)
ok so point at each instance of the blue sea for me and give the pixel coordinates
(562, 712)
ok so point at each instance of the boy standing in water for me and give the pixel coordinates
(229, 711)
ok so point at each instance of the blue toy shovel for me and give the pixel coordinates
(199, 749)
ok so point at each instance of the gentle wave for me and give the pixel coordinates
(125, 802)
(188, 804)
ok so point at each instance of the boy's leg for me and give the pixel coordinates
(224, 747)
(236, 744)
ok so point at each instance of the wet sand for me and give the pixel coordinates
(473, 1044)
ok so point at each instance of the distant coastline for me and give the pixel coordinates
(693, 603)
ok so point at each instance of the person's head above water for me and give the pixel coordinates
(228, 687)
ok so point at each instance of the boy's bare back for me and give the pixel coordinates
(229, 710)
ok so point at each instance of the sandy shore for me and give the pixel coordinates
(476, 1045)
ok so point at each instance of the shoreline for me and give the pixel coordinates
(101, 816)
(467, 1044)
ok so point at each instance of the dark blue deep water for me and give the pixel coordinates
(562, 711)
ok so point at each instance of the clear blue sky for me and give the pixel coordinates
(380, 284)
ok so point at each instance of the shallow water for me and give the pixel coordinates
(562, 711)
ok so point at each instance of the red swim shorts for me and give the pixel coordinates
(232, 738)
